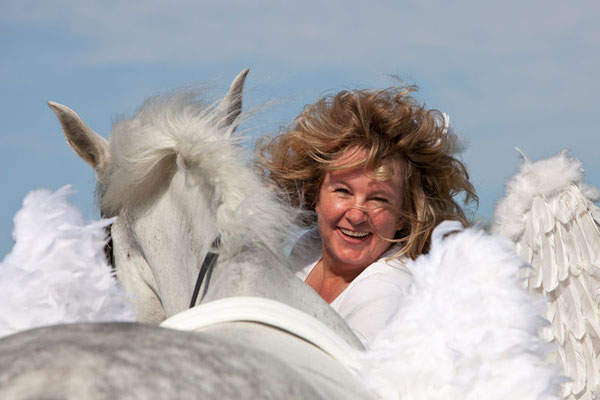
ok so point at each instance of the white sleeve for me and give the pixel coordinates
(370, 303)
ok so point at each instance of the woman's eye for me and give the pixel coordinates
(342, 190)
(380, 200)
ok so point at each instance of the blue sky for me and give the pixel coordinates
(511, 73)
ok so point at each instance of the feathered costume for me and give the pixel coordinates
(466, 329)
(549, 213)
(57, 271)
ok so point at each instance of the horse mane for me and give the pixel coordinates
(177, 131)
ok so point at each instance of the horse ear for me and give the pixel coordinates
(231, 105)
(88, 145)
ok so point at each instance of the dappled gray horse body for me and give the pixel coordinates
(176, 178)
(134, 361)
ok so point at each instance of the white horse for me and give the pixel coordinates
(176, 178)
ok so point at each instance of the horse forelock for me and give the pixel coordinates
(174, 132)
(144, 148)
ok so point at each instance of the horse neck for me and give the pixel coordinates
(248, 274)
(254, 228)
(265, 277)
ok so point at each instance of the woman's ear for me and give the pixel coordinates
(399, 228)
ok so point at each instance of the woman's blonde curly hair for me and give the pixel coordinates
(388, 125)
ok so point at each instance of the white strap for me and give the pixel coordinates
(268, 312)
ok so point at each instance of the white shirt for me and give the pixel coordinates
(375, 294)
(372, 297)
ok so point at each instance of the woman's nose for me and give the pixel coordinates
(356, 215)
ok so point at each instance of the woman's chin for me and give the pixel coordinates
(352, 260)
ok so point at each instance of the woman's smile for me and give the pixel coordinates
(354, 234)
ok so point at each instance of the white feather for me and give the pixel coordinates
(558, 209)
(56, 271)
(466, 329)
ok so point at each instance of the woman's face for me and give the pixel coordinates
(355, 213)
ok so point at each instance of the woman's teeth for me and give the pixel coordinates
(354, 234)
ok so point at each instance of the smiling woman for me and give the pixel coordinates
(357, 218)
(379, 171)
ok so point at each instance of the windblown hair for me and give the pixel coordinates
(177, 132)
(388, 125)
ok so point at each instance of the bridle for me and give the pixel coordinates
(108, 248)
(209, 261)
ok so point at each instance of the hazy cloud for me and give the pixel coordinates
(314, 32)
(540, 47)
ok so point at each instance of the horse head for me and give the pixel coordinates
(176, 177)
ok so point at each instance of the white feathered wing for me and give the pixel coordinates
(549, 213)
(57, 271)
(466, 329)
